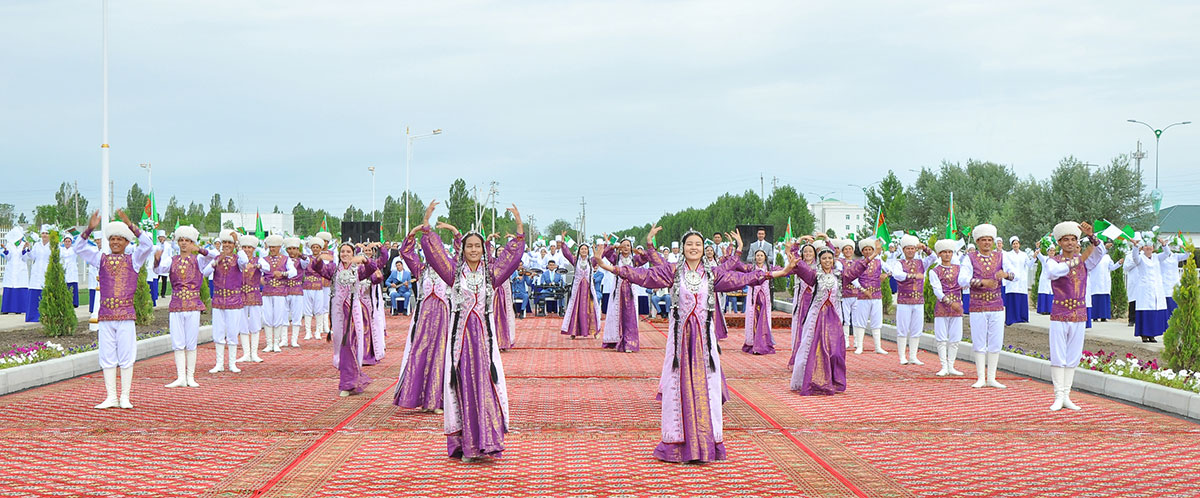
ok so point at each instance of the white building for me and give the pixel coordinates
(280, 223)
(843, 217)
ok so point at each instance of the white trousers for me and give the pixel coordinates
(117, 343)
(848, 310)
(947, 328)
(228, 324)
(987, 331)
(254, 318)
(295, 305)
(312, 302)
(868, 314)
(1066, 343)
(910, 320)
(185, 330)
(274, 311)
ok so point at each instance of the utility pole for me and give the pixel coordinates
(1137, 158)
(492, 193)
(76, 202)
(582, 219)
(531, 231)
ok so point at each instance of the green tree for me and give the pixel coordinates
(556, 228)
(212, 220)
(1181, 342)
(460, 205)
(6, 214)
(135, 202)
(72, 207)
(45, 214)
(1119, 294)
(57, 307)
(142, 305)
(195, 216)
(980, 190)
(890, 198)
(205, 295)
(930, 297)
(174, 213)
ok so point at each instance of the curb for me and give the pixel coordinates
(1163, 398)
(46, 372)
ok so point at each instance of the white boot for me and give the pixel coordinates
(308, 321)
(323, 318)
(281, 337)
(993, 361)
(941, 347)
(110, 389)
(296, 335)
(254, 347)
(1068, 381)
(859, 332)
(191, 369)
(951, 357)
(914, 344)
(180, 369)
(901, 347)
(270, 337)
(980, 369)
(878, 342)
(1056, 376)
(233, 358)
(220, 360)
(126, 385)
(244, 340)
(846, 335)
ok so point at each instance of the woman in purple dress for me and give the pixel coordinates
(803, 295)
(691, 376)
(582, 316)
(349, 312)
(476, 395)
(758, 310)
(375, 339)
(620, 324)
(421, 371)
(821, 362)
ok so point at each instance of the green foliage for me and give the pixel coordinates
(1181, 342)
(142, 305)
(930, 297)
(135, 202)
(57, 306)
(1033, 288)
(460, 205)
(890, 197)
(1119, 293)
(729, 210)
(212, 220)
(205, 295)
(6, 214)
(308, 221)
(886, 289)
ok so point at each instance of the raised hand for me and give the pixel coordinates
(734, 235)
(429, 211)
(413, 232)
(94, 220)
(1086, 228)
(441, 225)
(124, 217)
(517, 216)
(653, 231)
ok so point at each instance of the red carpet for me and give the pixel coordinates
(584, 424)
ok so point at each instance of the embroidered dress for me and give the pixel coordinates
(582, 316)
(349, 312)
(820, 366)
(421, 371)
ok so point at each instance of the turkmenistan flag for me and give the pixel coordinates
(570, 242)
(382, 238)
(881, 231)
(787, 234)
(259, 233)
(951, 222)
(177, 225)
(1109, 232)
(324, 224)
(151, 210)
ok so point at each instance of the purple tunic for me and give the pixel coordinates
(620, 325)
(820, 366)
(1070, 293)
(118, 284)
(984, 268)
(582, 316)
(252, 284)
(275, 286)
(948, 276)
(185, 284)
(421, 371)
(227, 283)
(871, 279)
(347, 314)
(912, 290)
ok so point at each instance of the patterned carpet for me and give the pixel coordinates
(584, 425)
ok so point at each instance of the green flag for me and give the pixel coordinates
(259, 233)
(951, 223)
(788, 233)
(881, 230)
(384, 239)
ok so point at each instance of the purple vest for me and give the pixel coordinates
(227, 283)
(985, 268)
(275, 286)
(1070, 294)
(870, 280)
(118, 284)
(848, 289)
(252, 285)
(912, 290)
(295, 285)
(948, 276)
(313, 281)
(185, 284)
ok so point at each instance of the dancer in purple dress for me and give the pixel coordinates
(803, 295)
(691, 381)
(349, 310)
(620, 324)
(582, 316)
(821, 362)
(758, 310)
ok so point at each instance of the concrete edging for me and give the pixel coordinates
(46, 372)
(1167, 399)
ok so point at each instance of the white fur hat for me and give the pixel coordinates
(274, 240)
(1014, 238)
(867, 242)
(843, 243)
(119, 229)
(314, 241)
(248, 241)
(945, 245)
(1067, 228)
(187, 232)
(984, 230)
(326, 236)
(291, 242)
(226, 235)
(909, 241)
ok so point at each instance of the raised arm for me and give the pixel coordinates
(164, 263)
(852, 269)
(655, 277)
(805, 272)
(566, 251)
(366, 269)
(731, 280)
(408, 251)
(509, 259)
(145, 246)
(435, 255)
(88, 252)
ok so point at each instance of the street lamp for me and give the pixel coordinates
(864, 191)
(1157, 135)
(820, 196)
(149, 176)
(372, 170)
(408, 168)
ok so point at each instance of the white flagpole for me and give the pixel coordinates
(105, 207)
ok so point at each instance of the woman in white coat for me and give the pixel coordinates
(1146, 269)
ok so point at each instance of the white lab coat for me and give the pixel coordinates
(1020, 264)
(16, 269)
(70, 263)
(39, 258)
(1149, 292)
(1100, 277)
(1170, 271)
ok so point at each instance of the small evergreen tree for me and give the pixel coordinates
(142, 305)
(886, 290)
(1119, 294)
(1181, 342)
(205, 295)
(1037, 279)
(57, 306)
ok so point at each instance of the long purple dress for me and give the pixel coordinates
(620, 324)
(691, 382)
(349, 313)
(582, 316)
(476, 394)
(758, 316)
(421, 372)
(820, 366)
(801, 300)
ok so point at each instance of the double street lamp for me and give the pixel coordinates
(1157, 136)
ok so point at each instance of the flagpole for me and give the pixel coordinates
(105, 191)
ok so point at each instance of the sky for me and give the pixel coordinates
(640, 108)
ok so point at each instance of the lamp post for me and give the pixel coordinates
(408, 168)
(1157, 136)
(149, 176)
(372, 170)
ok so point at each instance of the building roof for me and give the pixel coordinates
(1180, 218)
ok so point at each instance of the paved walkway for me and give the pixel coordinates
(584, 424)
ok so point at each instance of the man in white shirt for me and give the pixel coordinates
(761, 244)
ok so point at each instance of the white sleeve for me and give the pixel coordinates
(1055, 269)
(89, 253)
(291, 269)
(164, 263)
(264, 265)
(145, 249)
(935, 283)
(242, 260)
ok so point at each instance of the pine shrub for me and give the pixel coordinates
(1119, 294)
(205, 294)
(57, 306)
(930, 298)
(1181, 342)
(143, 307)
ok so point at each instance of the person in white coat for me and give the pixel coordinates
(1145, 268)
(38, 258)
(70, 264)
(1100, 286)
(1016, 291)
(1169, 266)
(1045, 291)
(16, 277)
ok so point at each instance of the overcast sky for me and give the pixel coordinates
(641, 107)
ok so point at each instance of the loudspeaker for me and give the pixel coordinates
(360, 231)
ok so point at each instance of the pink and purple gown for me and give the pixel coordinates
(620, 324)
(692, 380)
(801, 300)
(421, 371)
(582, 316)
(820, 366)
(376, 333)
(475, 392)
(758, 315)
(349, 314)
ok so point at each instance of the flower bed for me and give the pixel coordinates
(42, 351)
(1128, 366)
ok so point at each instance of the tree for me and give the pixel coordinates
(212, 220)
(174, 213)
(72, 207)
(57, 306)
(205, 295)
(1181, 342)
(23, 220)
(143, 307)
(135, 201)
(556, 228)
(1118, 294)
(890, 198)
(980, 190)
(354, 214)
(277, 211)
(196, 216)
(460, 205)
(230, 207)
(6, 215)
(45, 214)
(228, 224)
